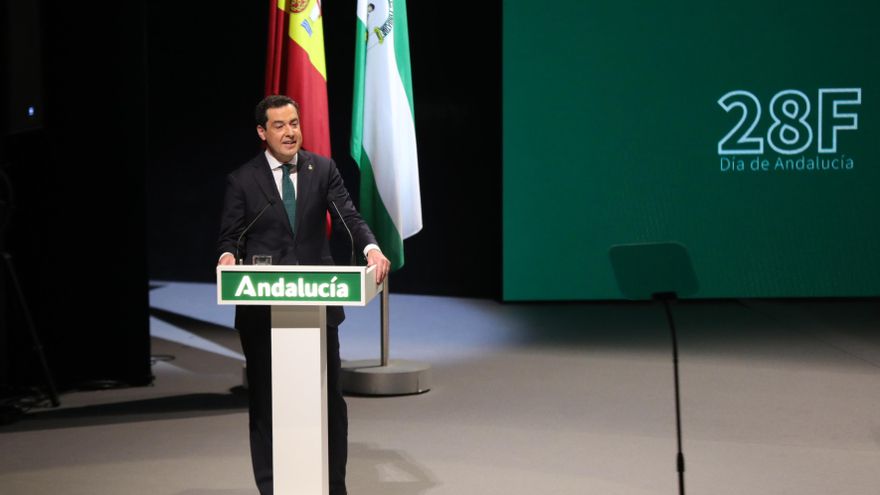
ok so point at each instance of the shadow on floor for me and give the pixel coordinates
(180, 406)
(219, 334)
(206, 491)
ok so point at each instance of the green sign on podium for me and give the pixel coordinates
(295, 285)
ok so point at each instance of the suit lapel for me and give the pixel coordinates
(305, 171)
(264, 178)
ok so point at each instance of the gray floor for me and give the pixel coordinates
(778, 398)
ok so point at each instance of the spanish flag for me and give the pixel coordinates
(295, 66)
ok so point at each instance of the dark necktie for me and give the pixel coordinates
(288, 194)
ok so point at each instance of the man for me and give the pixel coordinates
(286, 192)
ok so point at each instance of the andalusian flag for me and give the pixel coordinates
(295, 66)
(383, 136)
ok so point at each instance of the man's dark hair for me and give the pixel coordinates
(272, 101)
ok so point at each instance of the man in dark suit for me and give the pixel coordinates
(294, 190)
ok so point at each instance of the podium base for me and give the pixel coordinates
(400, 377)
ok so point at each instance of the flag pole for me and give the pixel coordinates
(385, 310)
(385, 376)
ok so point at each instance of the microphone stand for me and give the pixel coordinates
(246, 229)
(28, 317)
(665, 298)
(352, 260)
(660, 271)
(35, 338)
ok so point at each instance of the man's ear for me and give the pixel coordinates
(261, 132)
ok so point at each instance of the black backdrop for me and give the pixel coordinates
(77, 221)
(206, 72)
(149, 104)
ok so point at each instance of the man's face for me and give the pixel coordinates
(282, 133)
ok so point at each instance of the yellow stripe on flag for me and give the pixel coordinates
(306, 29)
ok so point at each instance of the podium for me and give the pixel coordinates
(298, 296)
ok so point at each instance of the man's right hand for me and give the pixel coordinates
(227, 259)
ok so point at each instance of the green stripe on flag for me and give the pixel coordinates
(377, 217)
(401, 51)
(357, 114)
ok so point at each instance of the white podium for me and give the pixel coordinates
(298, 296)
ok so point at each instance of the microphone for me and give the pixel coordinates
(246, 229)
(350, 237)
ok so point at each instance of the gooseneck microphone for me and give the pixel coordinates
(246, 229)
(350, 237)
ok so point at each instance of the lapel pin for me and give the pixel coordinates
(310, 166)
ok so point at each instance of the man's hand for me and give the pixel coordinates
(227, 259)
(383, 266)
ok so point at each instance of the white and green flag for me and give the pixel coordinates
(383, 134)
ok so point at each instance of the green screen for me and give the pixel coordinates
(747, 132)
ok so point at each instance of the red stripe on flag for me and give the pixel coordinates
(302, 82)
(274, 51)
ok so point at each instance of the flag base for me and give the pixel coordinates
(399, 377)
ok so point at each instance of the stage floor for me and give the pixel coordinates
(778, 397)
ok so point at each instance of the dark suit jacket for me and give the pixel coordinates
(251, 187)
